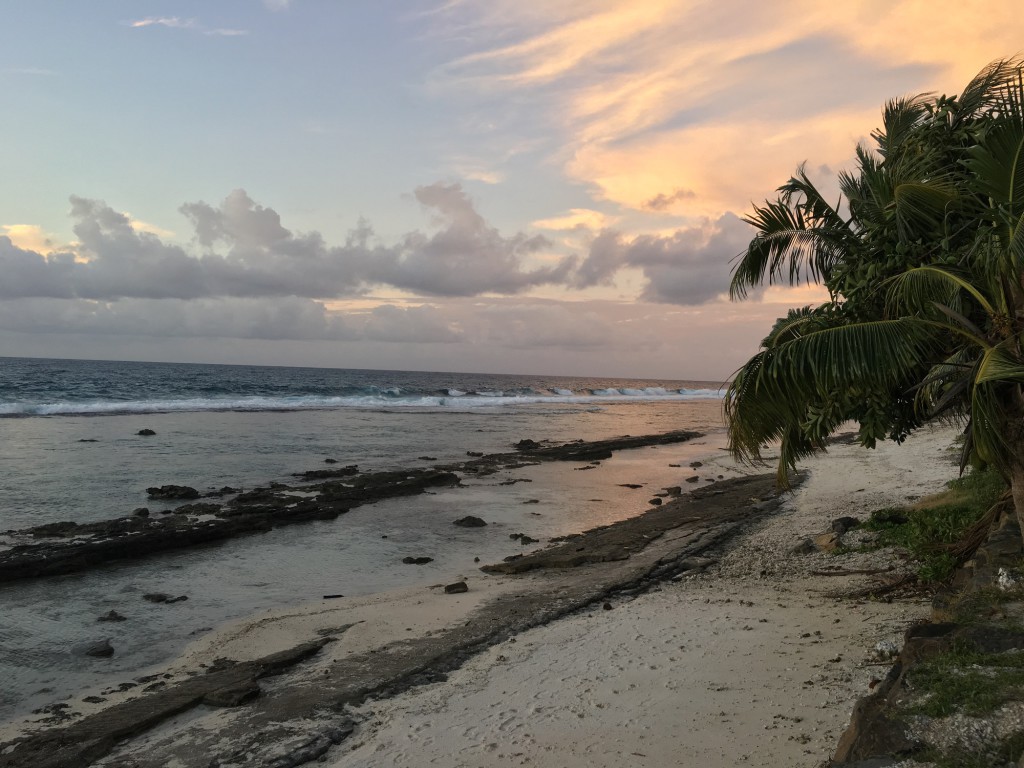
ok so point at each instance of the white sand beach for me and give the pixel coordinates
(751, 663)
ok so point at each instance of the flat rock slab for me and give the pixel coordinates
(67, 547)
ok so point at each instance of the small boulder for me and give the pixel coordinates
(145, 432)
(655, 501)
(141, 512)
(469, 521)
(111, 615)
(330, 461)
(843, 524)
(805, 547)
(474, 454)
(527, 445)
(693, 479)
(101, 650)
(522, 538)
(674, 490)
(696, 464)
(162, 597)
(456, 588)
(417, 560)
(173, 492)
(827, 542)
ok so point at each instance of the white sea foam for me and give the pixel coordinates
(455, 399)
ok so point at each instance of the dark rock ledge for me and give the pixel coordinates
(66, 547)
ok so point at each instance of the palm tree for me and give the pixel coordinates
(923, 259)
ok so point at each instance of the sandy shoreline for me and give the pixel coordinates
(752, 662)
(721, 668)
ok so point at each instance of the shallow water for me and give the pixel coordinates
(49, 476)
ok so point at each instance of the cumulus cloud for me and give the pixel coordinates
(245, 251)
(689, 266)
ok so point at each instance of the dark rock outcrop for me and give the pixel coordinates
(469, 521)
(171, 492)
(101, 649)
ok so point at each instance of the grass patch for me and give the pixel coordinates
(927, 529)
(1008, 751)
(967, 681)
(989, 605)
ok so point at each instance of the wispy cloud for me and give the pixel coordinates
(277, 5)
(576, 218)
(646, 99)
(193, 25)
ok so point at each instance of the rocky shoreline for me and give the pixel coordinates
(68, 547)
(624, 559)
(711, 629)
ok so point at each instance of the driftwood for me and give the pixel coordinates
(841, 572)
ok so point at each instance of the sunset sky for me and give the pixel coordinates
(474, 185)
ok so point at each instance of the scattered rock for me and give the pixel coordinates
(88, 440)
(456, 588)
(332, 597)
(843, 524)
(330, 461)
(607, 606)
(327, 474)
(111, 615)
(93, 699)
(102, 649)
(474, 454)
(693, 479)
(805, 547)
(469, 521)
(145, 432)
(634, 486)
(523, 538)
(885, 650)
(224, 491)
(427, 458)
(696, 464)
(827, 542)
(674, 490)
(141, 512)
(173, 492)
(161, 597)
(655, 501)
(532, 501)
(417, 560)
(527, 445)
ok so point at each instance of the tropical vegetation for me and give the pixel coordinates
(922, 256)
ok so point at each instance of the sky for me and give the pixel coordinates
(508, 186)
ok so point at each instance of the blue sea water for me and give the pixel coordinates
(34, 387)
(70, 450)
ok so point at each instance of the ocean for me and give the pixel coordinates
(71, 450)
